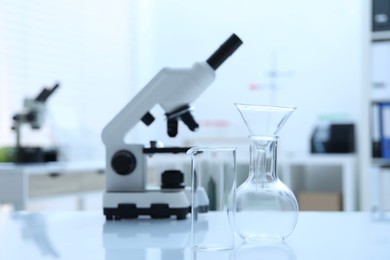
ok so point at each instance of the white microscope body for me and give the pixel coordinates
(126, 195)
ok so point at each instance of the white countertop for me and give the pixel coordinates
(87, 235)
(52, 167)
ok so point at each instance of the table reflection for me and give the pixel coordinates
(249, 251)
(34, 228)
(145, 239)
(264, 250)
(166, 239)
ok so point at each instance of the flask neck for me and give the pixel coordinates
(263, 154)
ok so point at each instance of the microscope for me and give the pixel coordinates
(33, 114)
(126, 194)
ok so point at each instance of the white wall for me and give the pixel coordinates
(86, 46)
(318, 46)
(103, 52)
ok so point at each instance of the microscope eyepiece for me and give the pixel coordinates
(46, 93)
(224, 51)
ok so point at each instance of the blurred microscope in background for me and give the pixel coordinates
(33, 114)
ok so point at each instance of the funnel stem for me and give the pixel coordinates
(263, 159)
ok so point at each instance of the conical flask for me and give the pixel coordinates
(266, 208)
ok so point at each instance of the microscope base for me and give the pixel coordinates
(153, 203)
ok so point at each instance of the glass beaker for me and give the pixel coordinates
(213, 174)
(266, 208)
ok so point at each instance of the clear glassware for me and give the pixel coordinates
(266, 208)
(213, 198)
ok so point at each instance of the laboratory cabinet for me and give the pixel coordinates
(297, 172)
(322, 182)
(379, 105)
(337, 175)
(22, 183)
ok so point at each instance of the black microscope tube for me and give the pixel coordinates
(224, 51)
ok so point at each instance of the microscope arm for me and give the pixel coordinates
(174, 90)
(170, 88)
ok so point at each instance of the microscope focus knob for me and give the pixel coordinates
(123, 162)
(172, 179)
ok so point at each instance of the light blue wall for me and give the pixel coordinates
(318, 46)
(103, 53)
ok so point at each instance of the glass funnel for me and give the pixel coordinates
(266, 208)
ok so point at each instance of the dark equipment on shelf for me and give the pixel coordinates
(380, 15)
(333, 138)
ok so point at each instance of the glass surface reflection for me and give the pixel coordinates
(145, 239)
(264, 250)
(213, 255)
(34, 228)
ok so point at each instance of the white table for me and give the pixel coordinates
(14, 178)
(86, 235)
(346, 162)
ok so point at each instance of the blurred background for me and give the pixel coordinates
(326, 58)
